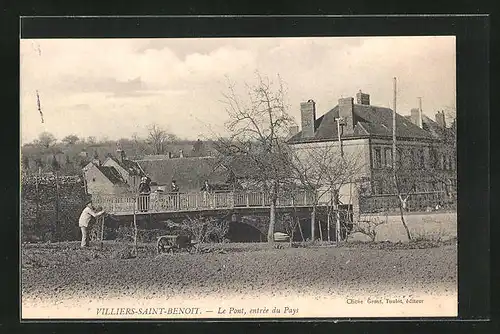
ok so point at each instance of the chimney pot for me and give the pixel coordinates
(362, 98)
(121, 154)
(415, 117)
(346, 110)
(440, 119)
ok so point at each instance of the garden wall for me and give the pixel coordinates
(433, 225)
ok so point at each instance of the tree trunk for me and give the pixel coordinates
(300, 229)
(403, 221)
(328, 224)
(272, 221)
(313, 223)
(400, 201)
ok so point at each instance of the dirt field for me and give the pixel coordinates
(63, 271)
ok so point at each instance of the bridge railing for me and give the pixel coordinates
(197, 201)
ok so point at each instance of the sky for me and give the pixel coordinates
(115, 88)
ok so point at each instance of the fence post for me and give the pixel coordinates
(102, 231)
(247, 198)
(37, 223)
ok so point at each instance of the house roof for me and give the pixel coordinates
(111, 173)
(130, 166)
(190, 172)
(245, 166)
(369, 121)
(436, 130)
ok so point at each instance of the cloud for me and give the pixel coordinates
(99, 84)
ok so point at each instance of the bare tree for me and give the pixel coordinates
(323, 170)
(258, 126)
(158, 138)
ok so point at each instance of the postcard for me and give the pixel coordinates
(238, 178)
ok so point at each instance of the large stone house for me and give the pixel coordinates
(425, 148)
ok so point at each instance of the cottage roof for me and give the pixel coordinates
(190, 172)
(248, 167)
(111, 173)
(130, 166)
(369, 121)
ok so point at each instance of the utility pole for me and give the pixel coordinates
(335, 197)
(394, 130)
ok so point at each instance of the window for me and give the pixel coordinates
(388, 157)
(433, 158)
(422, 158)
(377, 161)
(415, 160)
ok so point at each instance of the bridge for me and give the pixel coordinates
(198, 202)
(234, 207)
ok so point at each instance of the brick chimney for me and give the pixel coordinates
(416, 117)
(440, 119)
(346, 110)
(121, 155)
(362, 98)
(308, 118)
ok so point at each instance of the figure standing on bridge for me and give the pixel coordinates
(85, 217)
(207, 189)
(144, 192)
(174, 188)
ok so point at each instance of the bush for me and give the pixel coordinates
(123, 253)
(368, 227)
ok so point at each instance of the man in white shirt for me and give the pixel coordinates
(85, 218)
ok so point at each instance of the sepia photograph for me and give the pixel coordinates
(238, 178)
